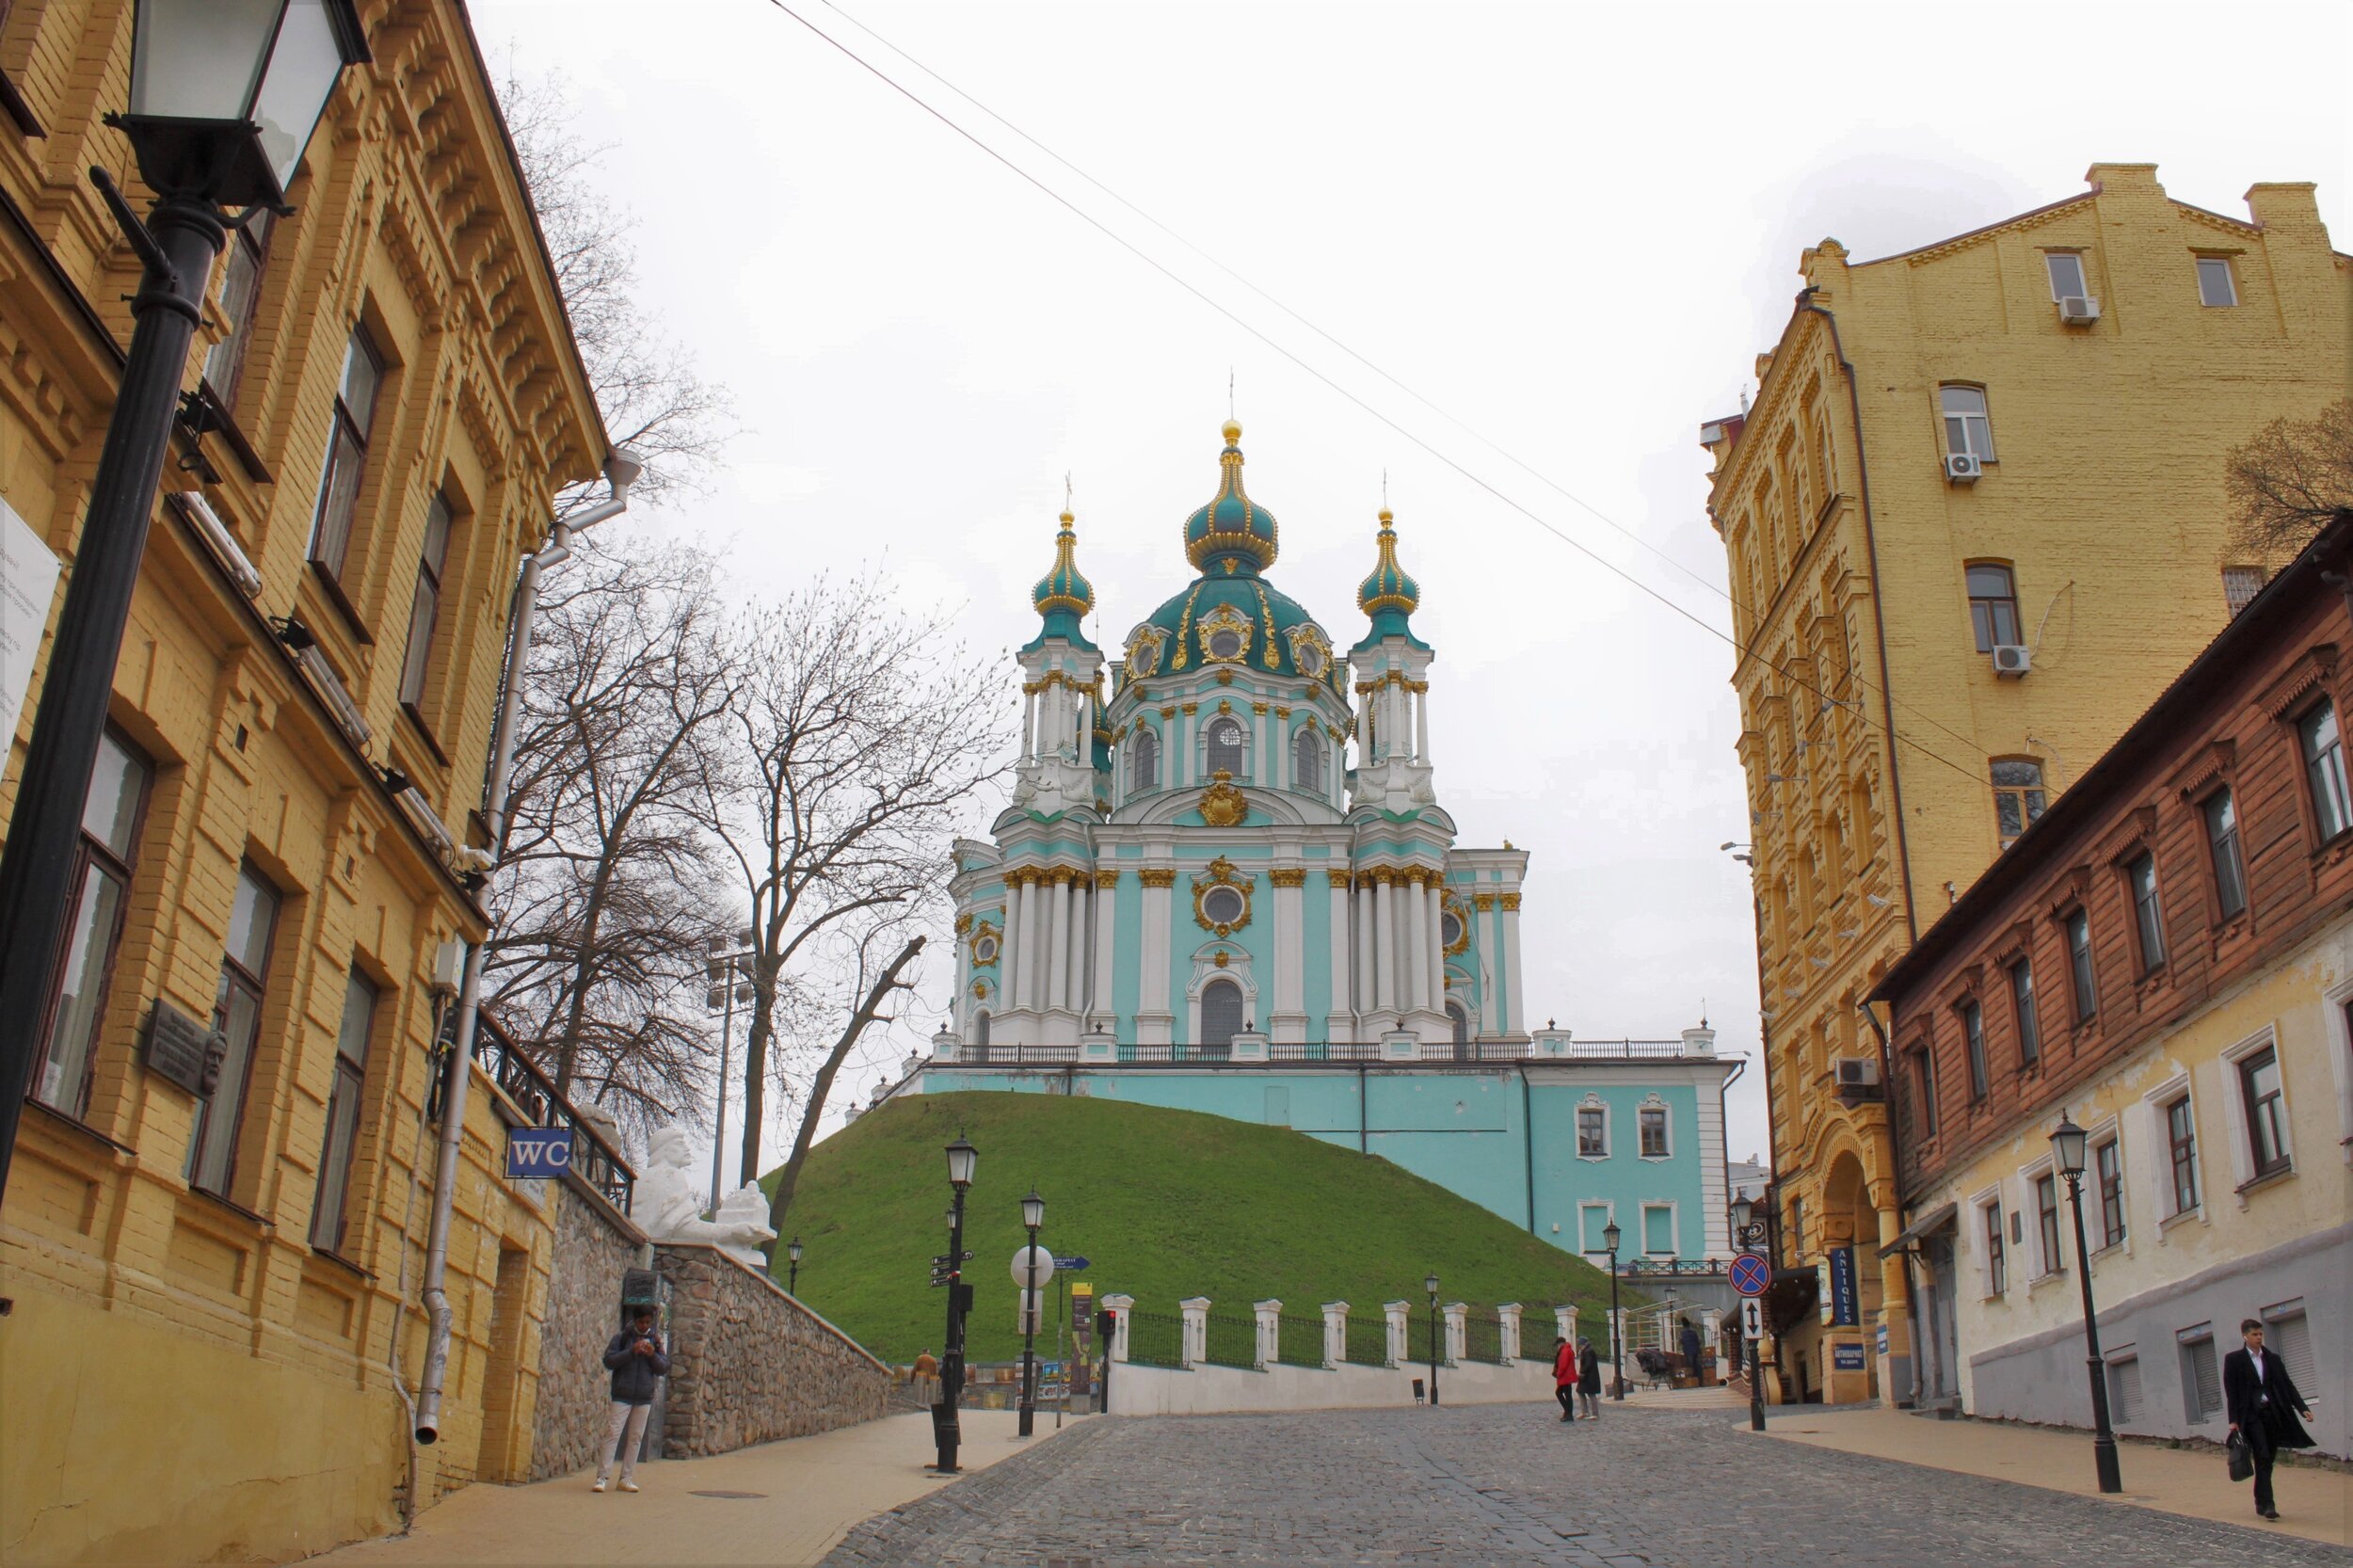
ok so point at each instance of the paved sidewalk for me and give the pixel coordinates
(2314, 1503)
(793, 1501)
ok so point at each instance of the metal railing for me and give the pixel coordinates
(1419, 1334)
(1482, 1338)
(1537, 1329)
(1156, 1339)
(594, 1160)
(1230, 1340)
(1299, 1341)
(1669, 1268)
(1368, 1340)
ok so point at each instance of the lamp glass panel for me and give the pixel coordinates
(200, 60)
(1430, 1284)
(962, 1157)
(1611, 1235)
(302, 71)
(2066, 1145)
(1033, 1210)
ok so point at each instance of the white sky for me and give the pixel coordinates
(1571, 227)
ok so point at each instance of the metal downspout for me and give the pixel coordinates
(1364, 1144)
(1527, 1146)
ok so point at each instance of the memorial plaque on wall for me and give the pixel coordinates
(181, 1048)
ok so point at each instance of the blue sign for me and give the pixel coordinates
(1845, 1356)
(1843, 1308)
(1073, 1261)
(536, 1153)
(1751, 1275)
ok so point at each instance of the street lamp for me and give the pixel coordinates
(1429, 1282)
(223, 102)
(728, 970)
(1032, 1216)
(962, 1158)
(1610, 1237)
(2067, 1150)
(792, 1253)
(1748, 1230)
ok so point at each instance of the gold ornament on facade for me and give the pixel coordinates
(1258, 707)
(1448, 904)
(1288, 876)
(1483, 901)
(1168, 713)
(1143, 653)
(1220, 959)
(1280, 712)
(1189, 707)
(1158, 876)
(1511, 902)
(980, 990)
(1222, 804)
(1224, 707)
(1224, 635)
(1226, 678)
(1107, 879)
(1339, 879)
(1221, 899)
(986, 944)
(964, 923)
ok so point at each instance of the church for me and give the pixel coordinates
(1224, 883)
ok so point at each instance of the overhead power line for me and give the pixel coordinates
(1443, 457)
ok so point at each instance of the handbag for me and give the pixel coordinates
(2242, 1458)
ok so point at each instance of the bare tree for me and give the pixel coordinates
(2288, 480)
(653, 397)
(860, 744)
(609, 885)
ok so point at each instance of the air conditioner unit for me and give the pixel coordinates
(1961, 468)
(2011, 660)
(2075, 310)
(1857, 1072)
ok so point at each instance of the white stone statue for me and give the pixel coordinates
(669, 1201)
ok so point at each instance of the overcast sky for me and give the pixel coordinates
(1570, 228)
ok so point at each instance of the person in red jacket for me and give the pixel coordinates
(1565, 1378)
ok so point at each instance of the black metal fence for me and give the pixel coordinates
(1299, 1341)
(1537, 1330)
(1232, 1341)
(594, 1160)
(1368, 1340)
(1482, 1338)
(1156, 1339)
(1421, 1335)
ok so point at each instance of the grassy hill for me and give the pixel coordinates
(1166, 1203)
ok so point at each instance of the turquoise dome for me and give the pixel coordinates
(1243, 623)
(1387, 594)
(1064, 594)
(1233, 536)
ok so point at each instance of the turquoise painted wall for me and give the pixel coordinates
(1467, 1132)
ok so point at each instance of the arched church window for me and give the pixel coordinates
(1225, 746)
(1450, 928)
(1221, 1016)
(1307, 761)
(1144, 761)
(979, 1029)
(1461, 1022)
(1223, 906)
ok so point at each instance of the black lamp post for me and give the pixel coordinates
(1610, 1235)
(792, 1254)
(2067, 1149)
(962, 1157)
(1747, 1231)
(1032, 1216)
(1429, 1282)
(223, 101)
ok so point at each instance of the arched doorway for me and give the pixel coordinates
(979, 1029)
(1461, 1022)
(1848, 1367)
(1220, 1017)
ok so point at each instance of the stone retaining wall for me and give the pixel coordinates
(748, 1364)
(594, 1247)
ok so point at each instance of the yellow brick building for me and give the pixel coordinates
(208, 1294)
(1974, 524)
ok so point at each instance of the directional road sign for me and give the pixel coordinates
(943, 1260)
(1071, 1260)
(1751, 1275)
(1752, 1319)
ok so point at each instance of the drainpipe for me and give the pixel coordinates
(621, 469)
(1527, 1146)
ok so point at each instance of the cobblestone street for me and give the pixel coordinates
(1508, 1485)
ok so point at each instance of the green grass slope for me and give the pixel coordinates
(1166, 1203)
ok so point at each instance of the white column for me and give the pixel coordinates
(1421, 727)
(1334, 1333)
(1033, 908)
(1196, 1340)
(1457, 1332)
(1121, 1307)
(1082, 939)
(1058, 944)
(1482, 942)
(1510, 1314)
(1279, 770)
(1262, 769)
(1152, 995)
(1012, 957)
(1106, 952)
(1365, 948)
(1270, 1315)
(1416, 945)
(1290, 959)
(1384, 946)
(1395, 1313)
(1435, 948)
(1029, 725)
(1514, 1020)
(1342, 987)
(1564, 1322)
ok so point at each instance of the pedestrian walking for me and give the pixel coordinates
(638, 1368)
(1588, 1379)
(1565, 1378)
(2258, 1396)
(1691, 1349)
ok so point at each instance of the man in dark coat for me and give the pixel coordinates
(2258, 1396)
(1565, 1378)
(1691, 1349)
(1588, 1378)
(638, 1368)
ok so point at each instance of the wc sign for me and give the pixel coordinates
(538, 1152)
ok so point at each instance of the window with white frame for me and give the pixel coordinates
(1592, 1220)
(2201, 1375)
(2324, 771)
(1144, 761)
(1658, 1230)
(1968, 428)
(2263, 1111)
(1226, 748)
(347, 451)
(1651, 1121)
(1307, 761)
(1593, 1132)
(2066, 274)
(2044, 1188)
(1993, 1270)
(2179, 1128)
(2216, 284)
(2108, 1188)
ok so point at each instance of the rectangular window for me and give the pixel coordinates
(347, 451)
(2107, 1167)
(2124, 1388)
(1653, 1132)
(99, 892)
(1993, 606)
(2266, 1117)
(2017, 797)
(2240, 584)
(1973, 1030)
(2067, 275)
(1593, 1219)
(2288, 1334)
(240, 292)
(237, 1014)
(328, 1219)
(1593, 1132)
(1924, 1082)
(2029, 1026)
(2324, 769)
(1658, 1230)
(1968, 430)
(2047, 1220)
(2229, 872)
(2148, 915)
(2181, 1142)
(1996, 1254)
(2215, 287)
(2201, 1375)
(424, 609)
(2079, 962)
